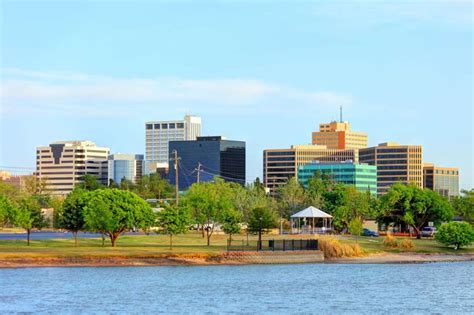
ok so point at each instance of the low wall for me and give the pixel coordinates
(279, 257)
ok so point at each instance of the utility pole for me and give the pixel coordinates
(175, 159)
(199, 172)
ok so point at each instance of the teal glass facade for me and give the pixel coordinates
(362, 176)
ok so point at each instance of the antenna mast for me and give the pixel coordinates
(340, 113)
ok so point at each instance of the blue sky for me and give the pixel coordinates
(264, 72)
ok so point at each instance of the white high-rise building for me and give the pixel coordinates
(160, 133)
(64, 163)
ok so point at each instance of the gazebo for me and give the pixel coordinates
(315, 221)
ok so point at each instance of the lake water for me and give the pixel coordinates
(440, 288)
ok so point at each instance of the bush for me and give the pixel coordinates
(390, 241)
(333, 248)
(406, 244)
(455, 234)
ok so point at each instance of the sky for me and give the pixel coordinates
(265, 72)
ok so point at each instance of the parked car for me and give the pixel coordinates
(367, 232)
(428, 231)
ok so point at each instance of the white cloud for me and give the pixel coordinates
(30, 91)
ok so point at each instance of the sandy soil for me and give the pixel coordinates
(402, 258)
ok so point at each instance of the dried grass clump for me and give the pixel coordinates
(406, 244)
(333, 248)
(390, 241)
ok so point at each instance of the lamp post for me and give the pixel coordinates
(259, 247)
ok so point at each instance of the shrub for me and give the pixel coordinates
(406, 244)
(455, 234)
(390, 241)
(333, 248)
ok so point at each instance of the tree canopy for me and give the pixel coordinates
(455, 234)
(72, 216)
(414, 207)
(113, 212)
(174, 220)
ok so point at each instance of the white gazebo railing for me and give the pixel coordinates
(311, 221)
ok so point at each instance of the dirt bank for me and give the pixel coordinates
(215, 259)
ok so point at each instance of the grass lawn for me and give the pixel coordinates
(190, 243)
(424, 245)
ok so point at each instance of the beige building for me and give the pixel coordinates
(338, 135)
(279, 165)
(395, 164)
(64, 163)
(443, 180)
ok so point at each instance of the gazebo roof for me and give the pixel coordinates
(311, 212)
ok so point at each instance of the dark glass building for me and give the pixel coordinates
(206, 157)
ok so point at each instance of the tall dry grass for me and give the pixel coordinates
(390, 241)
(333, 248)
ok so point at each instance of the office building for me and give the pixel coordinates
(160, 133)
(64, 163)
(338, 135)
(362, 176)
(395, 164)
(444, 180)
(128, 166)
(279, 165)
(206, 157)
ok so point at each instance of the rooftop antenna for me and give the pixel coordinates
(340, 113)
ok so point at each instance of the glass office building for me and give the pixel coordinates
(128, 166)
(362, 176)
(443, 180)
(207, 157)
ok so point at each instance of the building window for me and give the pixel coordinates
(149, 126)
(172, 126)
(180, 125)
(157, 126)
(164, 126)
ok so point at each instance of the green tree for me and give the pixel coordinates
(355, 205)
(153, 186)
(464, 205)
(28, 216)
(262, 217)
(455, 234)
(7, 210)
(208, 202)
(414, 207)
(72, 218)
(113, 212)
(173, 221)
(231, 221)
(89, 183)
(355, 227)
(126, 184)
(292, 197)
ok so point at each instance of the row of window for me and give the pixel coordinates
(165, 126)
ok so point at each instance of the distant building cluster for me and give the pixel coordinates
(344, 156)
(175, 150)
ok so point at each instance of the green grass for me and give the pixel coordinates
(424, 245)
(191, 243)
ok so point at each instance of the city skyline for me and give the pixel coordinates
(257, 90)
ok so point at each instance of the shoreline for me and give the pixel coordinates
(217, 259)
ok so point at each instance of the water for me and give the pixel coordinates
(314, 288)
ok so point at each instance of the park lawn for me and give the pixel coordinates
(191, 243)
(424, 245)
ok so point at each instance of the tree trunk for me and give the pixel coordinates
(208, 237)
(202, 230)
(74, 233)
(28, 232)
(113, 238)
(230, 239)
(103, 239)
(417, 231)
(171, 241)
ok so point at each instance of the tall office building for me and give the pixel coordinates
(362, 176)
(444, 180)
(64, 163)
(395, 164)
(160, 133)
(128, 166)
(203, 159)
(338, 135)
(279, 165)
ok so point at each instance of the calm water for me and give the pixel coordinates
(320, 288)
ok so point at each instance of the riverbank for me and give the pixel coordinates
(225, 259)
(191, 249)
